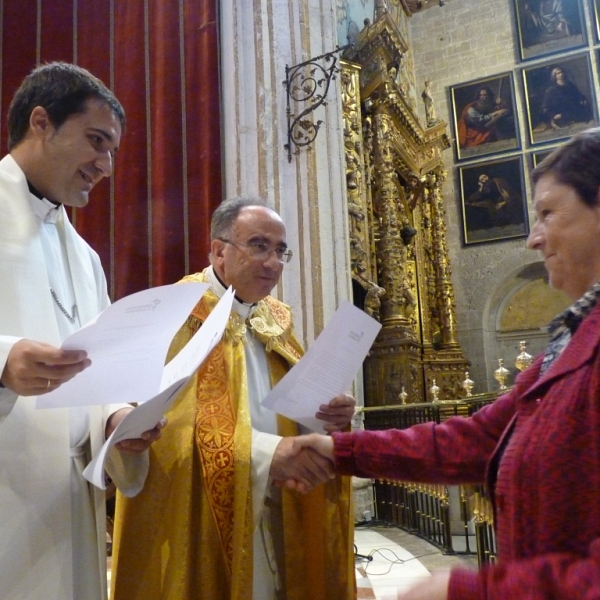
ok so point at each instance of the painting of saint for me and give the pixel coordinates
(485, 116)
(493, 201)
(560, 98)
(549, 26)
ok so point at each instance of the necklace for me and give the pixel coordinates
(63, 310)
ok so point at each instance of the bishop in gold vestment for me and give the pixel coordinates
(192, 533)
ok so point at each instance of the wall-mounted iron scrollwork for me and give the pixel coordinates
(307, 83)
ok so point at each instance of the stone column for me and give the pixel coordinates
(259, 38)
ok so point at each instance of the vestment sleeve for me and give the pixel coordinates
(128, 471)
(7, 397)
(263, 449)
(453, 452)
(558, 575)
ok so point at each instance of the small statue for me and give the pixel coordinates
(524, 359)
(500, 374)
(403, 396)
(430, 116)
(408, 302)
(434, 390)
(380, 8)
(468, 384)
(413, 189)
(372, 300)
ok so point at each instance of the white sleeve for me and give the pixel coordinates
(262, 451)
(7, 397)
(128, 471)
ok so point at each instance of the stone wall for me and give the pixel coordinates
(459, 42)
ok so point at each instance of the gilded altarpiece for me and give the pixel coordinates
(399, 256)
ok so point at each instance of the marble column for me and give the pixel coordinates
(259, 38)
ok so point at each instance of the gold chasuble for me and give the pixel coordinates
(188, 535)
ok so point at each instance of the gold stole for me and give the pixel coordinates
(223, 431)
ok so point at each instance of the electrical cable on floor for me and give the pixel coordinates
(373, 523)
(358, 556)
(395, 561)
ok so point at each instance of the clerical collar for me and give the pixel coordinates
(34, 190)
(244, 309)
(39, 194)
(44, 210)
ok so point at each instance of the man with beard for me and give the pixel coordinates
(480, 119)
(563, 103)
(494, 204)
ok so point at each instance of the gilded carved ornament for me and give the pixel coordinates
(394, 177)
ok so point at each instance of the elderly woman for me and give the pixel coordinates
(537, 447)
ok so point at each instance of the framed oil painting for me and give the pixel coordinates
(485, 116)
(546, 27)
(538, 157)
(494, 206)
(559, 98)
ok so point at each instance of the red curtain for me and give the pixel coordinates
(150, 222)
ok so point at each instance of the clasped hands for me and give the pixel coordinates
(301, 463)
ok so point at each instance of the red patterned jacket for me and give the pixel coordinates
(546, 491)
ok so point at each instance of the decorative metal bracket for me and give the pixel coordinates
(308, 83)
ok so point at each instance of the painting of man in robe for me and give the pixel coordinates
(560, 99)
(485, 116)
(549, 26)
(493, 201)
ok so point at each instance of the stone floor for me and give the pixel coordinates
(399, 561)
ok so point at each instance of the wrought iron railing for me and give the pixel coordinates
(423, 509)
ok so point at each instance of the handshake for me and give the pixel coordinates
(303, 462)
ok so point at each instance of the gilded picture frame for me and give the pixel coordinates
(546, 27)
(596, 17)
(559, 98)
(537, 157)
(484, 114)
(493, 201)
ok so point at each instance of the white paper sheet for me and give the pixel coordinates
(175, 376)
(140, 419)
(198, 348)
(327, 369)
(127, 344)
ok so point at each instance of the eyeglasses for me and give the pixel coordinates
(262, 251)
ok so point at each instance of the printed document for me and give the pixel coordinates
(176, 374)
(327, 369)
(127, 344)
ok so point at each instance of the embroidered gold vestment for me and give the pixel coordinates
(189, 534)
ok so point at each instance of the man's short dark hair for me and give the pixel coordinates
(576, 164)
(227, 212)
(62, 90)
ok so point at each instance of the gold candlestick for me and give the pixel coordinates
(501, 374)
(468, 384)
(524, 359)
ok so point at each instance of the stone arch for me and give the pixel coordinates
(518, 308)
